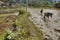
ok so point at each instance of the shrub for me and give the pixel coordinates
(57, 5)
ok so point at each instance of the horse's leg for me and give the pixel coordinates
(51, 16)
(44, 19)
(48, 16)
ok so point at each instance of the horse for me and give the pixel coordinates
(47, 14)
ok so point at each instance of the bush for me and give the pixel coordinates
(57, 5)
(9, 35)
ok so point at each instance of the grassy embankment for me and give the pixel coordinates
(28, 30)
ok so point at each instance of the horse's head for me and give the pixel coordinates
(51, 14)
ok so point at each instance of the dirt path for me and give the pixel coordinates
(51, 28)
(7, 23)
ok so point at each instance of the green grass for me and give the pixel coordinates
(2, 18)
(2, 36)
(23, 21)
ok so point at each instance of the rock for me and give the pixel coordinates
(37, 23)
(57, 30)
(35, 17)
(59, 38)
(55, 21)
(47, 35)
(41, 25)
(50, 39)
(45, 39)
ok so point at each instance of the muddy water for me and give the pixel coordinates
(50, 28)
